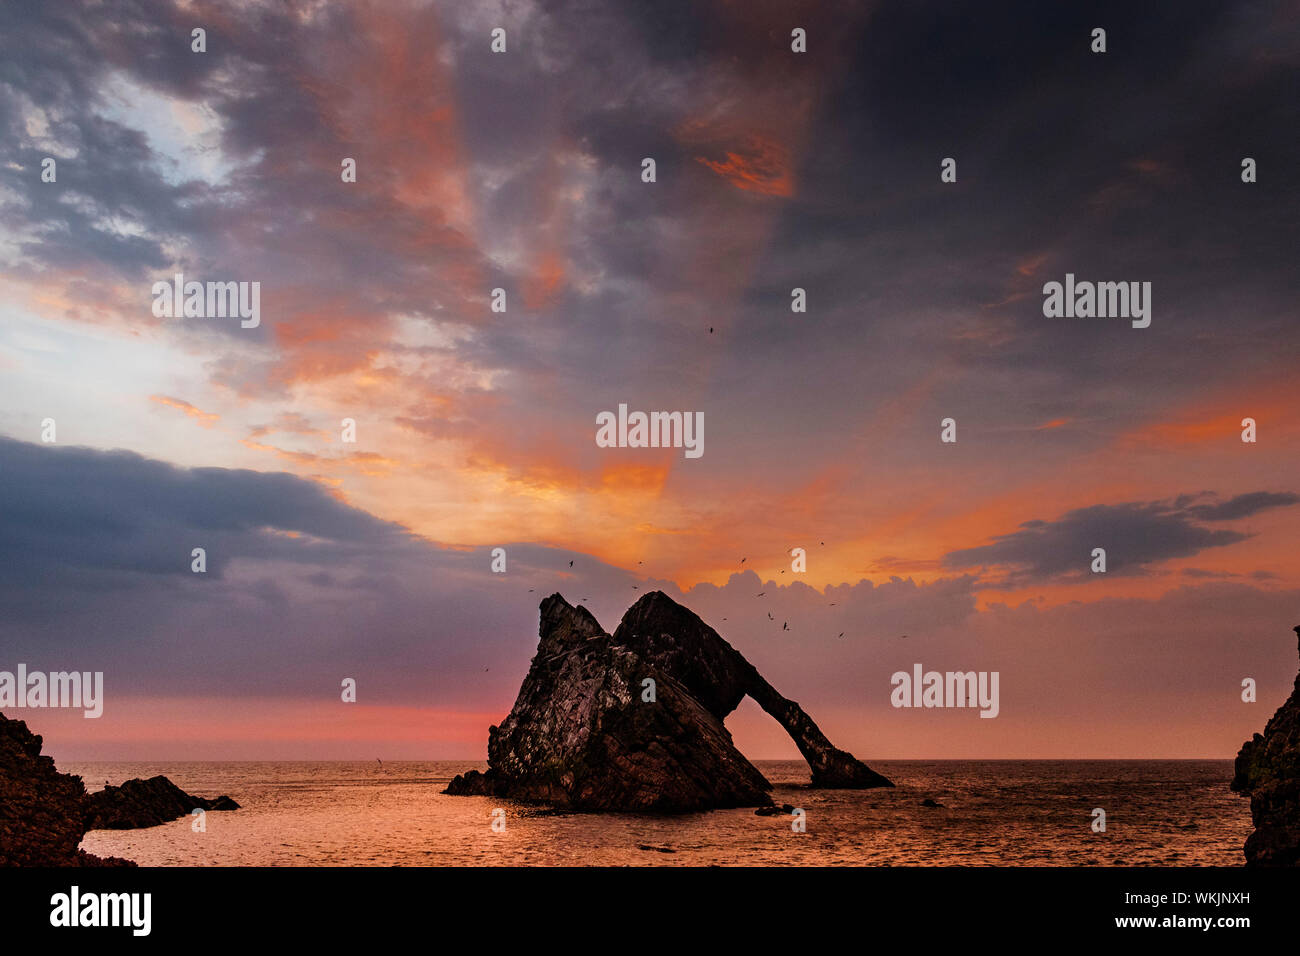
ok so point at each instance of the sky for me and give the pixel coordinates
(774, 170)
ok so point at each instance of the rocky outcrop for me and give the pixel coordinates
(676, 640)
(42, 811)
(146, 803)
(1268, 768)
(586, 733)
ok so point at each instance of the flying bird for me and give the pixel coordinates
(743, 560)
(841, 633)
(785, 625)
(760, 594)
(770, 617)
(570, 564)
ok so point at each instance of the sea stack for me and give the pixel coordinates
(1268, 768)
(586, 733)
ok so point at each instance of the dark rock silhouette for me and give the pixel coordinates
(1268, 768)
(581, 736)
(716, 674)
(42, 811)
(45, 813)
(145, 803)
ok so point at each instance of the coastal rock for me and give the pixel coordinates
(42, 811)
(581, 738)
(675, 639)
(580, 735)
(1268, 768)
(146, 803)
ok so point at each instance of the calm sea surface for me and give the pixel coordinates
(994, 812)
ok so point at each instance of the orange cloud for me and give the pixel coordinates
(206, 419)
(1027, 267)
(290, 423)
(632, 478)
(543, 286)
(1272, 406)
(757, 165)
(1162, 173)
(366, 462)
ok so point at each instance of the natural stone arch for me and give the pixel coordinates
(677, 641)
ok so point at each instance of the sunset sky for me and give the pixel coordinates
(775, 170)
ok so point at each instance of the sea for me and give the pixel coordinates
(990, 812)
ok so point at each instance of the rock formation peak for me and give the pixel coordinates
(634, 720)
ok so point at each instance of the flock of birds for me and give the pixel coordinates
(785, 625)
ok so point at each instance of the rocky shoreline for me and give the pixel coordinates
(631, 721)
(1268, 768)
(45, 813)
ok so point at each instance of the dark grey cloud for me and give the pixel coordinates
(128, 513)
(1095, 163)
(1134, 536)
(300, 587)
(1242, 506)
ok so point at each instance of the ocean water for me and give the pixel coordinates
(1019, 813)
